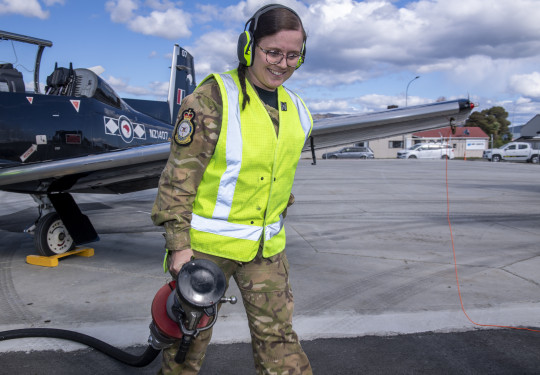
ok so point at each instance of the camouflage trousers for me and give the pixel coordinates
(268, 301)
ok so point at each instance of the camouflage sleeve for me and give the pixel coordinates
(191, 151)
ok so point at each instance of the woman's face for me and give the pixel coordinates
(269, 76)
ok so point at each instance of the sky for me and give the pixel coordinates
(361, 56)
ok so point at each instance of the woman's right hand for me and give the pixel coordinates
(177, 258)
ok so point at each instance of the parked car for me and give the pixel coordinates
(514, 151)
(427, 151)
(350, 153)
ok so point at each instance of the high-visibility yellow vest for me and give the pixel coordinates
(247, 183)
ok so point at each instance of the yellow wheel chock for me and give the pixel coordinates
(52, 261)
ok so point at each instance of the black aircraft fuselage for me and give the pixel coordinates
(37, 127)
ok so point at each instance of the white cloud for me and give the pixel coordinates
(160, 5)
(54, 2)
(214, 52)
(334, 106)
(363, 103)
(157, 18)
(155, 89)
(27, 8)
(527, 85)
(171, 24)
(519, 110)
(427, 35)
(121, 10)
(329, 78)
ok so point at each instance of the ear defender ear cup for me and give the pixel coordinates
(244, 48)
(303, 55)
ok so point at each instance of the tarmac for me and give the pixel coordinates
(373, 269)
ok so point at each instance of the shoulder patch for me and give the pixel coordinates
(183, 132)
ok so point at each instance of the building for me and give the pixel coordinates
(530, 132)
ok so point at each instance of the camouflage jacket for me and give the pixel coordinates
(187, 162)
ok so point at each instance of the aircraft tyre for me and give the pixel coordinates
(51, 236)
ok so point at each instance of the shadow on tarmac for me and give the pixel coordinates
(498, 351)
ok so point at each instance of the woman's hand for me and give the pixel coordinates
(177, 258)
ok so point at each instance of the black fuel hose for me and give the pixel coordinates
(129, 359)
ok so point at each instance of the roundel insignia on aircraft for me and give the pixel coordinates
(126, 129)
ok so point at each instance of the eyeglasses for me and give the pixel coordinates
(275, 57)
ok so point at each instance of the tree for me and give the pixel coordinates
(492, 121)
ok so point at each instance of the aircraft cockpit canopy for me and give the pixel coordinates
(90, 85)
(81, 83)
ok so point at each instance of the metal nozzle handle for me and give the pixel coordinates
(232, 300)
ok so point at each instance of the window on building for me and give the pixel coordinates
(395, 144)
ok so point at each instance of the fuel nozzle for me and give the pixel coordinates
(185, 307)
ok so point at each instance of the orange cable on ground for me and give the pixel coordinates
(456, 269)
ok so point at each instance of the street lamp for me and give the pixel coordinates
(407, 90)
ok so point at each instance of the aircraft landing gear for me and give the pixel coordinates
(61, 225)
(51, 236)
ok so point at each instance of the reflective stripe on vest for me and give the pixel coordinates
(241, 231)
(233, 153)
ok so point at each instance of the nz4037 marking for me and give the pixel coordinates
(158, 134)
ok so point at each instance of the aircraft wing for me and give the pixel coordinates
(140, 167)
(348, 129)
(122, 171)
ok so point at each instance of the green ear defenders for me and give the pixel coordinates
(246, 41)
(244, 48)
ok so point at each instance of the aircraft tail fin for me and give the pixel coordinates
(182, 82)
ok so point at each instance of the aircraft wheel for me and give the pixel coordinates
(51, 236)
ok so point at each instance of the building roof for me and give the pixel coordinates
(461, 132)
(532, 128)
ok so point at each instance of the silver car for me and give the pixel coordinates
(427, 151)
(350, 153)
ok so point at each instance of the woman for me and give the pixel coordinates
(227, 184)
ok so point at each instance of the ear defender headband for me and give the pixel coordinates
(245, 40)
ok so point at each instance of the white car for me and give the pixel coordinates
(513, 151)
(427, 151)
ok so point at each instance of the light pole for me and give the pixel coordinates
(407, 90)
